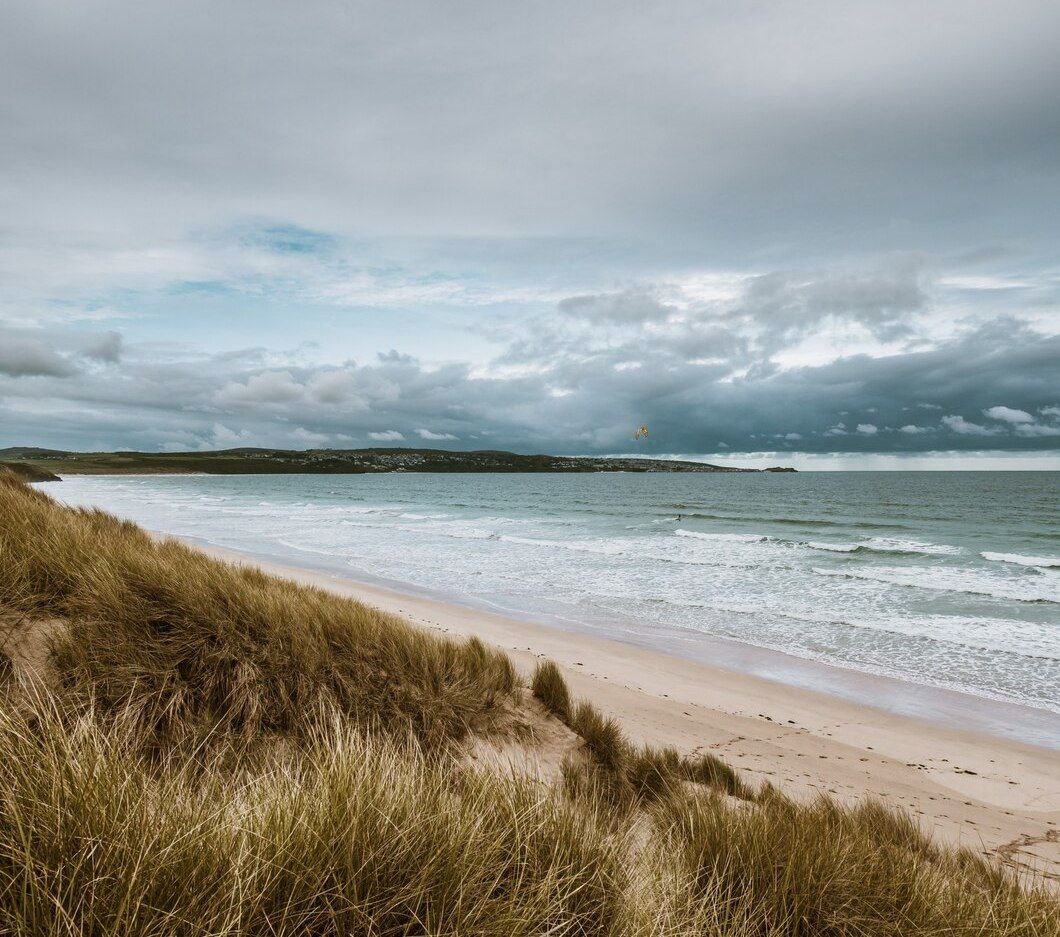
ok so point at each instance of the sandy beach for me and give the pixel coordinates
(992, 795)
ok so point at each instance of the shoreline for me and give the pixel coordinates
(992, 794)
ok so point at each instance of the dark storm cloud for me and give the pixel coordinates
(950, 397)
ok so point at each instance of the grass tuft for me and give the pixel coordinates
(710, 771)
(549, 686)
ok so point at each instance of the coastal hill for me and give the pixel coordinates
(248, 461)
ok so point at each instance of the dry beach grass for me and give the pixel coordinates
(187, 747)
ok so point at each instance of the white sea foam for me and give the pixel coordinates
(1042, 562)
(725, 538)
(604, 547)
(463, 531)
(898, 545)
(943, 579)
(887, 545)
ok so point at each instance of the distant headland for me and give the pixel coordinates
(336, 462)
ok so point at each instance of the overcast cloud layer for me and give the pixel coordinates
(758, 228)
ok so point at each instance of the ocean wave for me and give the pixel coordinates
(642, 548)
(835, 547)
(302, 548)
(941, 579)
(728, 538)
(956, 631)
(466, 532)
(895, 545)
(888, 545)
(604, 547)
(1041, 562)
(796, 521)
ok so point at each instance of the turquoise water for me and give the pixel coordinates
(947, 580)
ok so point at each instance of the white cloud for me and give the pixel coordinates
(1037, 429)
(267, 387)
(983, 283)
(1009, 415)
(868, 429)
(336, 387)
(225, 438)
(309, 437)
(427, 434)
(389, 435)
(1050, 412)
(960, 425)
(910, 430)
(106, 347)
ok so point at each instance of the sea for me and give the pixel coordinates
(933, 592)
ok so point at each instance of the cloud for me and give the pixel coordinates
(22, 357)
(1037, 429)
(629, 307)
(841, 140)
(554, 386)
(960, 425)
(105, 347)
(333, 386)
(1008, 415)
(860, 232)
(269, 387)
(222, 437)
(389, 435)
(791, 303)
(308, 437)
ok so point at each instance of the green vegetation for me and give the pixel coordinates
(195, 749)
(336, 461)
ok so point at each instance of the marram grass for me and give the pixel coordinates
(209, 751)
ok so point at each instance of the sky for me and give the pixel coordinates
(821, 234)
